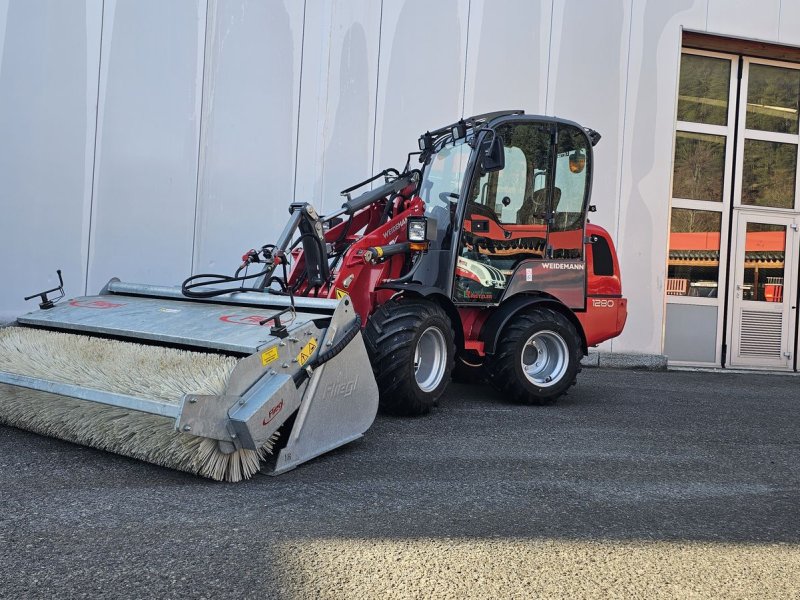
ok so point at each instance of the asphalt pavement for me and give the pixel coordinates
(638, 484)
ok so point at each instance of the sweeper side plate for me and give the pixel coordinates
(218, 326)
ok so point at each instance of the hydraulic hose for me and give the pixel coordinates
(330, 353)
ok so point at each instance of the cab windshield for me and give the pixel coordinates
(441, 183)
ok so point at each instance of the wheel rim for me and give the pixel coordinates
(545, 358)
(430, 359)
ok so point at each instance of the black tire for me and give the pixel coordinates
(557, 340)
(392, 335)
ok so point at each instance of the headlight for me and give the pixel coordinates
(417, 229)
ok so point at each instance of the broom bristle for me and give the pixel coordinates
(151, 372)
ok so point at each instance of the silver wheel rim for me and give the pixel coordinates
(545, 358)
(430, 359)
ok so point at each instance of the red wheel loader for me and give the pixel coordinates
(481, 259)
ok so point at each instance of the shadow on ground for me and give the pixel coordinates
(641, 465)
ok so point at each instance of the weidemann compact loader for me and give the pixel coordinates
(482, 259)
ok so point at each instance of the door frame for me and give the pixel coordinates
(791, 274)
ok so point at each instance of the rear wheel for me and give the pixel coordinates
(410, 344)
(537, 359)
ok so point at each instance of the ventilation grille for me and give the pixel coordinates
(761, 334)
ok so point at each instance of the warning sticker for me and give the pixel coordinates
(340, 294)
(307, 351)
(269, 356)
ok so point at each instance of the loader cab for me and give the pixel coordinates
(499, 220)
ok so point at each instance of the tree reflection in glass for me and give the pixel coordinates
(773, 94)
(769, 173)
(699, 167)
(703, 91)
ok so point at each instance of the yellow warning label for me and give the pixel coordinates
(269, 356)
(340, 294)
(307, 351)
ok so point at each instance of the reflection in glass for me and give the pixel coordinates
(764, 249)
(699, 168)
(772, 98)
(693, 267)
(569, 194)
(703, 92)
(769, 173)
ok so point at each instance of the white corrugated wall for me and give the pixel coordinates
(146, 139)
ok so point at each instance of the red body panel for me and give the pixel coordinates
(606, 309)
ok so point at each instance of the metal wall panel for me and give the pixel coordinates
(588, 78)
(148, 127)
(647, 164)
(337, 108)
(754, 19)
(789, 25)
(691, 333)
(49, 53)
(507, 57)
(178, 90)
(247, 152)
(421, 80)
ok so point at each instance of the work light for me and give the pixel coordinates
(417, 229)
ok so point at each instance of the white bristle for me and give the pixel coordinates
(151, 372)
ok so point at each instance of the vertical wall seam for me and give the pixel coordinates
(466, 59)
(299, 103)
(200, 137)
(624, 133)
(377, 88)
(94, 152)
(624, 124)
(549, 53)
(780, 10)
(708, 10)
(322, 135)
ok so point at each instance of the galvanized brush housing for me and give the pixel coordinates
(202, 387)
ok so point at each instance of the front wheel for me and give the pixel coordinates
(538, 357)
(411, 348)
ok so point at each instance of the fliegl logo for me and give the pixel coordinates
(273, 412)
(101, 304)
(340, 388)
(243, 319)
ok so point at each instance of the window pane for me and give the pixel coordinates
(703, 92)
(572, 171)
(768, 174)
(693, 268)
(763, 262)
(699, 168)
(772, 98)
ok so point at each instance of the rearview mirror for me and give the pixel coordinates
(493, 155)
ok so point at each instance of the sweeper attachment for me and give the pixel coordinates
(222, 387)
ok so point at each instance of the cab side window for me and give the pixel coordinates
(572, 176)
(517, 195)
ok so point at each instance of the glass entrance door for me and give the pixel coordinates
(764, 290)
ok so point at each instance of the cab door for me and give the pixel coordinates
(507, 213)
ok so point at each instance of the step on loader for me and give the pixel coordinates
(481, 259)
